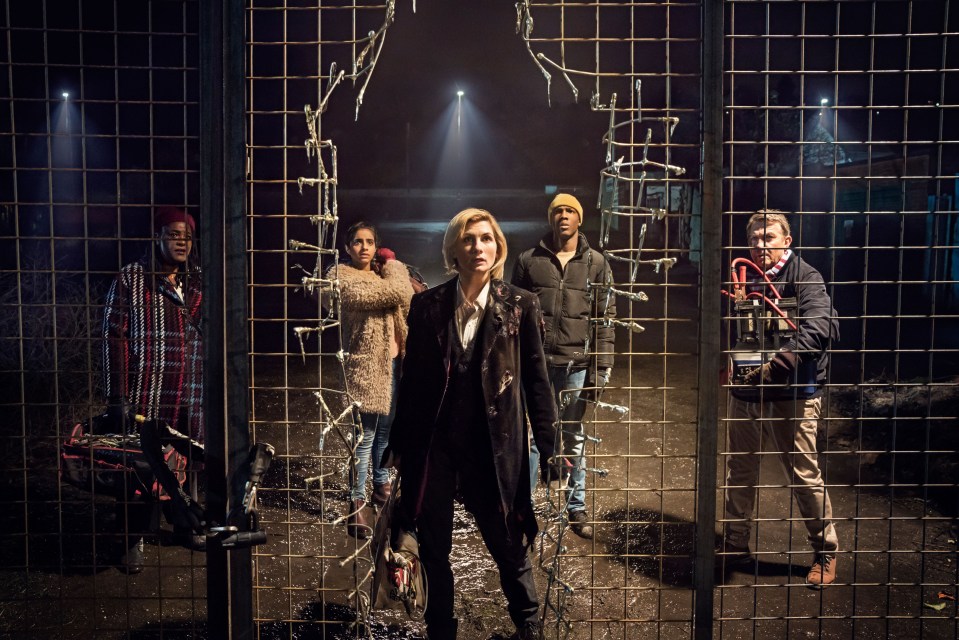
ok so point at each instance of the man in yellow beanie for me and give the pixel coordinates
(559, 270)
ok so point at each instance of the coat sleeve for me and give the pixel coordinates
(816, 321)
(540, 407)
(116, 328)
(411, 378)
(374, 294)
(605, 307)
(520, 276)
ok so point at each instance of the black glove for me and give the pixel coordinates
(120, 414)
(550, 471)
(596, 381)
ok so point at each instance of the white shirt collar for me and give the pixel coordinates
(469, 315)
(480, 299)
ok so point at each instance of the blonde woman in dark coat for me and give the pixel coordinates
(475, 368)
(374, 302)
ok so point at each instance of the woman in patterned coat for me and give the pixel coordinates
(152, 353)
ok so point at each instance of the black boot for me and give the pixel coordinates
(442, 630)
(529, 631)
(188, 538)
(579, 523)
(131, 561)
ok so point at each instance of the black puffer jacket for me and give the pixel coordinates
(563, 295)
(818, 329)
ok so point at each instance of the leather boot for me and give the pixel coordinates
(132, 561)
(441, 629)
(823, 571)
(356, 524)
(579, 523)
(381, 493)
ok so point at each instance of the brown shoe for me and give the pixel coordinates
(579, 523)
(823, 570)
(356, 524)
(381, 493)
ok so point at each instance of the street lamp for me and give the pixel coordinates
(459, 108)
(66, 95)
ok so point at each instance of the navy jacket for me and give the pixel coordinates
(817, 327)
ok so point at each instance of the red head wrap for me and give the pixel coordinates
(168, 215)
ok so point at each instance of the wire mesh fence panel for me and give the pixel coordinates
(640, 63)
(380, 145)
(313, 575)
(839, 116)
(99, 132)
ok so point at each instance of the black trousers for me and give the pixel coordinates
(448, 473)
(135, 518)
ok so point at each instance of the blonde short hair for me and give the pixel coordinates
(766, 217)
(454, 233)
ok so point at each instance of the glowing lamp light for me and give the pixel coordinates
(824, 101)
(459, 94)
(66, 95)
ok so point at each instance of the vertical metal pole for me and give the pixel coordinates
(226, 364)
(709, 327)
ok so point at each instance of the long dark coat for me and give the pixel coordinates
(152, 347)
(512, 363)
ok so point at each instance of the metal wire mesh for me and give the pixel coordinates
(635, 576)
(99, 125)
(641, 484)
(838, 113)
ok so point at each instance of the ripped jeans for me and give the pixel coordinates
(376, 435)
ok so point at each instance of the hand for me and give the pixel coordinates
(595, 383)
(602, 377)
(551, 472)
(384, 255)
(762, 373)
(778, 370)
(391, 459)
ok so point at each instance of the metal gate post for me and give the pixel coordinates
(709, 327)
(226, 351)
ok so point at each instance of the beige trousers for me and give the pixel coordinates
(789, 426)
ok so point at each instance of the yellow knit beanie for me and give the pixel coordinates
(564, 199)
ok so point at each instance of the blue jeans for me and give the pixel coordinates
(571, 436)
(376, 435)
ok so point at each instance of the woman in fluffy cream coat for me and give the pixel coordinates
(375, 297)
